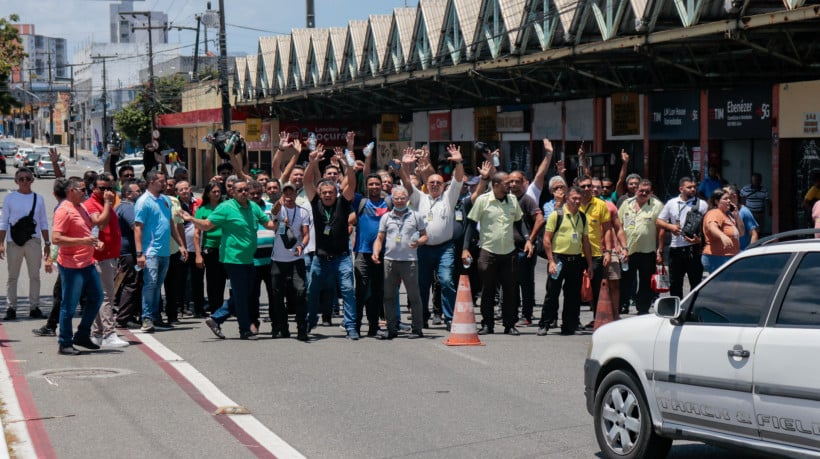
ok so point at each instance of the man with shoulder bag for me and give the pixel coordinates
(683, 217)
(23, 231)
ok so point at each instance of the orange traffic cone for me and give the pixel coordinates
(605, 311)
(463, 331)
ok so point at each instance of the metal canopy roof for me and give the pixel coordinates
(555, 50)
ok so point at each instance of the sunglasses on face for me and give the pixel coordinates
(127, 176)
(585, 186)
(240, 190)
(105, 188)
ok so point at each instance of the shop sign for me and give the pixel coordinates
(510, 122)
(253, 128)
(328, 133)
(674, 115)
(440, 126)
(389, 127)
(626, 114)
(740, 114)
(810, 123)
(263, 142)
(485, 124)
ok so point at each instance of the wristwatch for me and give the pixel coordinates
(47, 243)
(139, 253)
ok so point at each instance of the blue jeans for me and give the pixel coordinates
(74, 281)
(323, 274)
(243, 280)
(152, 278)
(328, 299)
(441, 258)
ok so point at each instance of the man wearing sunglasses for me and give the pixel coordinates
(16, 206)
(100, 209)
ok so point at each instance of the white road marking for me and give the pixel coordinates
(23, 446)
(252, 426)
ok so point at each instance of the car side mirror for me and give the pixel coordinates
(668, 307)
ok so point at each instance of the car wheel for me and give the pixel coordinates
(623, 425)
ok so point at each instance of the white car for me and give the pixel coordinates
(21, 155)
(735, 363)
(133, 161)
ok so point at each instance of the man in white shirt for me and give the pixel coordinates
(438, 210)
(16, 206)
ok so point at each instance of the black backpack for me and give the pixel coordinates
(693, 226)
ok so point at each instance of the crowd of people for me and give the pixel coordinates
(331, 228)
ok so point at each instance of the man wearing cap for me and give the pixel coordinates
(288, 271)
(438, 210)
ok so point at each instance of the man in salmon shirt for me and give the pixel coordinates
(100, 208)
(75, 260)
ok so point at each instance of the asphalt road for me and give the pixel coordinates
(514, 397)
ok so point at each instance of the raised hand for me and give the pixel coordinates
(548, 146)
(409, 157)
(485, 170)
(560, 167)
(624, 156)
(316, 155)
(455, 153)
(350, 138)
(284, 141)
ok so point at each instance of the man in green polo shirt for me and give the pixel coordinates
(497, 212)
(239, 219)
(569, 253)
(639, 214)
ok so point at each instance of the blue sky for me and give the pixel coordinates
(83, 20)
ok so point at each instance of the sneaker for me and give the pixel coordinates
(86, 342)
(44, 331)
(352, 335)
(113, 341)
(403, 327)
(147, 326)
(36, 313)
(524, 322)
(249, 336)
(437, 319)
(590, 326)
(11, 314)
(163, 326)
(215, 328)
(542, 331)
(97, 339)
(415, 334)
(327, 323)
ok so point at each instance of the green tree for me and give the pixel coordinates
(134, 120)
(11, 55)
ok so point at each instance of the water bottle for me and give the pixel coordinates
(468, 262)
(415, 237)
(558, 267)
(312, 142)
(95, 232)
(624, 264)
(229, 143)
(351, 160)
(137, 268)
(496, 161)
(368, 150)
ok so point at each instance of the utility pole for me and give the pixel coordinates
(50, 104)
(311, 14)
(196, 44)
(31, 108)
(223, 70)
(104, 98)
(150, 29)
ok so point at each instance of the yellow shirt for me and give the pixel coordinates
(639, 225)
(568, 239)
(496, 219)
(597, 214)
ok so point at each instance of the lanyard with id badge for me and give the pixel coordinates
(329, 219)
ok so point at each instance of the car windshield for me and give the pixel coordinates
(33, 155)
(41, 150)
(47, 159)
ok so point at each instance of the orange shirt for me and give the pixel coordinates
(727, 226)
(73, 221)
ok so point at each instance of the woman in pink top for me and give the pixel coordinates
(75, 260)
(722, 229)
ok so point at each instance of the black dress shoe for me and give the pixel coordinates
(68, 350)
(35, 313)
(415, 335)
(511, 331)
(85, 341)
(249, 336)
(485, 330)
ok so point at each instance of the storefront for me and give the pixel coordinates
(674, 135)
(625, 130)
(568, 125)
(796, 152)
(740, 131)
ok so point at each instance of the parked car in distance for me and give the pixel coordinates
(730, 364)
(45, 167)
(133, 161)
(21, 154)
(30, 159)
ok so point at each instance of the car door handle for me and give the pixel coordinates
(744, 354)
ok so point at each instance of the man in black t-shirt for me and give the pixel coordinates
(332, 261)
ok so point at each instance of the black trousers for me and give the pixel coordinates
(197, 277)
(569, 279)
(215, 276)
(128, 283)
(369, 289)
(641, 267)
(498, 270)
(174, 286)
(289, 280)
(597, 277)
(684, 261)
(263, 274)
